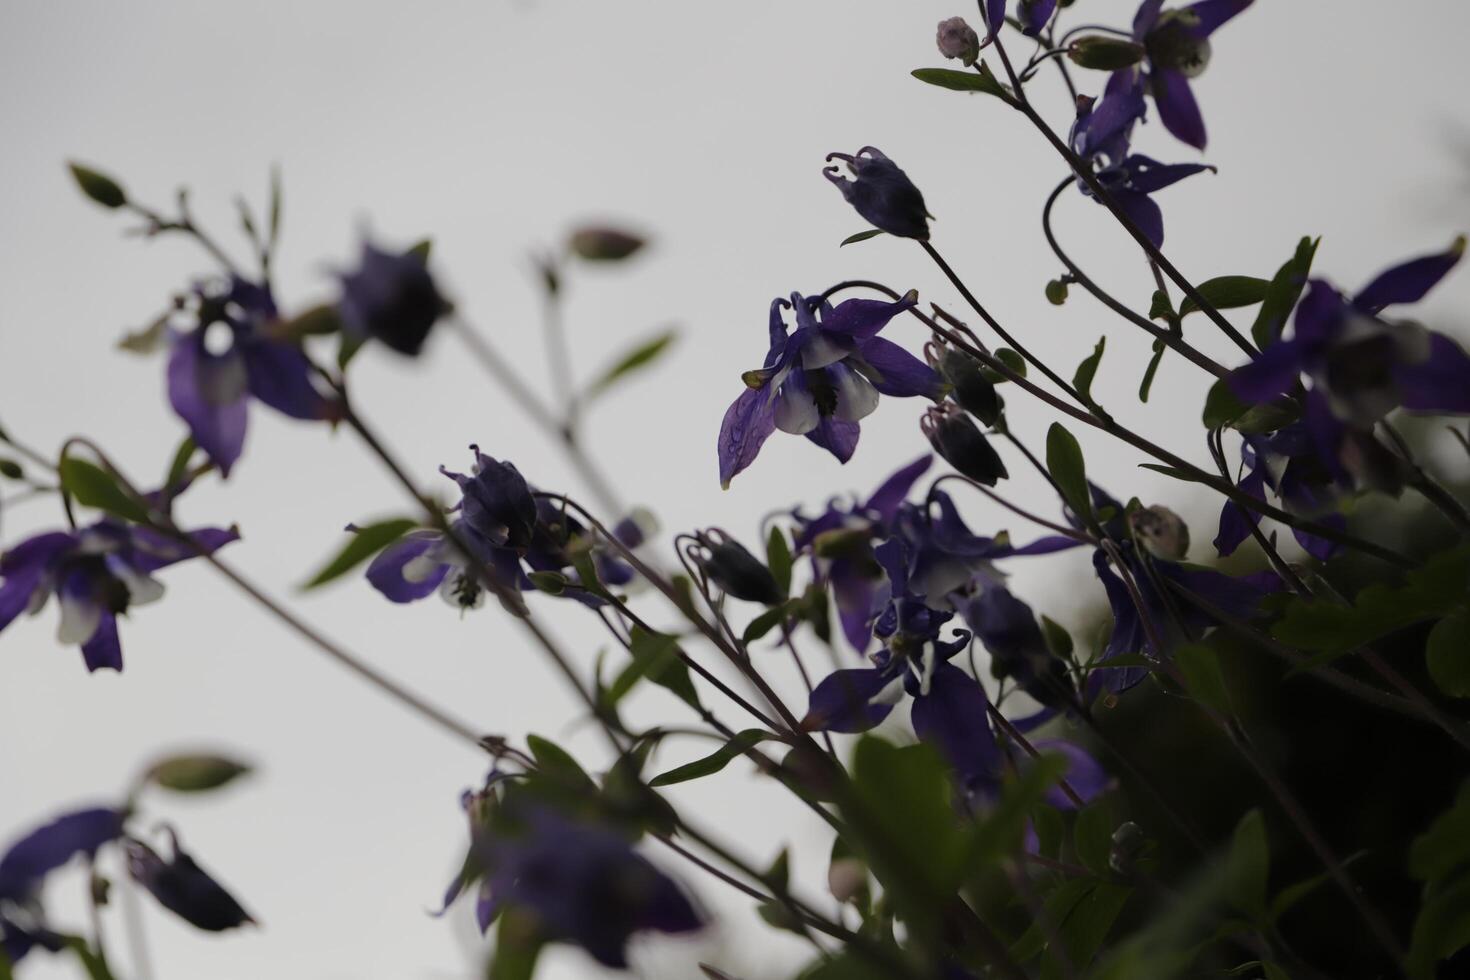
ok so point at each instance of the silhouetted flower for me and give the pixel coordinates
(184, 888)
(29, 860)
(392, 297)
(963, 446)
(95, 572)
(881, 193)
(731, 566)
(821, 379)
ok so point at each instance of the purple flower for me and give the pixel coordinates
(184, 888)
(1289, 463)
(1033, 15)
(881, 193)
(95, 572)
(391, 297)
(576, 882)
(229, 357)
(1363, 364)
(822, 379)
(731, 566)
(1101, 136)
(27, 863)
(1007, 628)
(1177, 47)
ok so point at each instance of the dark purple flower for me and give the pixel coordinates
(392, 297)
(821, 379)
(1033, 15)
(1177, 46)
(1363, 364)
(95, 572)
(881, 193)
(1101, 136)
(184, 888)
(27, 863)
(1008, 630)
(731, 566)
(577, 883)
(230, 356)
(959, 440)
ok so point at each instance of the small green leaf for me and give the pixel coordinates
(195, 773)
(713, 763)
(765, 622)
(1227, 293)
(603, 244)
(1102, 53)
(1056, 292)
(982, 79)
(1202, 676)
(552, 583)
(1087, 370)
(1152, 369)
(778, 559)
(1058, 640)
(1170, 471)
(148, 340)
(318, 321)
(11, 470)
(364, 544)
(656, 657)
(95, 487)
(1249, 866)
(1222, 407)
(1065, 464)
(1015, 362)
(557, 762)
(348, 344)
(1282, 293)
(1161, 309)
(98, 186)
(861, 236)
(634, 360)
(1447, 654)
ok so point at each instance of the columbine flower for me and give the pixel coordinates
(575, 883)
(1033, 15)
(963, 446)
(1288, 463)
(1363, 364)
(230, 356)
(392, 297)
(184, 888)
(881, 193)
(1007, 628)
(731, 566)
(1101, 136)
(96, 572)
(821, 379)
(29, 860)
(1177, 43)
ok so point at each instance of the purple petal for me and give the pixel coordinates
(954, 718)
(1213, 13)
(1048, 545)
(281, 376)
(1318, 547)
(47, 848)
(886, 500)
(1147, 175)
(155, 551)
(1177, 108)
(995, 16)
(1236, 521)
(209, 394)
(1148, 14)
(861, 319)
(387, 570)
(1441, 383)
(897, 372)
(843, 701)
(1084, 774)
(854, 594)
(748, 423)
(1409, 282)
(837, 437)
(1144, 213)
(104, 651)
(1271, 374)
(1034, 16)
(486, 907)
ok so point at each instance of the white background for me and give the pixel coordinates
(494, 127)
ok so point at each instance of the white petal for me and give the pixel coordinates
(420, 568)
(819, 352)
(796, 410)
(856, 396)
(79, 620)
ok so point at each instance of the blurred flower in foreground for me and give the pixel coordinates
(391, 297)
(1177, 44)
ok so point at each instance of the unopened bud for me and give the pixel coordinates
(846, 878)
(604, 244)
(958, 39)
(1162, 532)
(968, 384)
(735, 570)
(955, 437)
(1105, 53)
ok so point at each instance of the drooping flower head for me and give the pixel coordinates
(1102, 135)
(96, 573)
(184, 888)
(881, 193)
(1307, 484)
(1177, 48)
(821, 379)
(230, 356)
(391, 297)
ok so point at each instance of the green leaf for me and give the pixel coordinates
(1441, 929)
(366, 542)
(861, 236)
(1065, 464)
(1170, 471)
(714, 762)
(1084, 930)
(11, 470)
(1289, 896)
(1249, 866)
(148, 340)
(1282, 293)
(1227, 293)
(95, 487)
(558, 763)
(1058, 640)
(1444, 848)
(1152, 369)
(1056, 292)
(640, 357)
(656, 657)
(1160, 308)
(1087, 370)
(1202, 676)
(1092, 835)
(195, 773)
(1222, 406)
(178, 467)
(765, 622)
(779, 560)
(518, 943)
(1015, 362)
(552, 583)
(1447, 654)
(1102, 53)
(348, 344)
(98, 186)
(982, 79)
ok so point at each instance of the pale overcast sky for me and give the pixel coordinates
(494, 127)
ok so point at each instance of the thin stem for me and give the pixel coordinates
(1427, 486)
(132, 916)
(1064, 531)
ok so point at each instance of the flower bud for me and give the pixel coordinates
(391, 297)
(1128, 843)
(603, 244)
(735, 570)
(881, 193)
(1162, 532)
(1105, 53)
(958, 39)
(955, 437)
(969, 386)
(846, 878)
